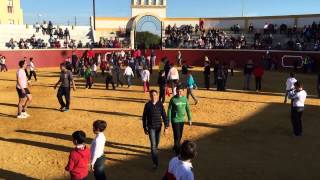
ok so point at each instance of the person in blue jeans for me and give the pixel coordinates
(153, 115)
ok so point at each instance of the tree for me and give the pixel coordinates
(146, 40)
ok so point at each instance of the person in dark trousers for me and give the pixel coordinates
(26, 70)
(152, 124)
(215, 71)
(65, 81)
(258, 74)
(162, 82)
(206, 73)
(32, 68)
(232, 66)
(74, 62)
(221, 78)
(298, 96)
(109, 79)
(88, 77)
(178, 106)
(318, 85)
(117, 71)
(247, 71)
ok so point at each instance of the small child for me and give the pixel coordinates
(191, 84)
(180, 167)
(145, 76)
(88, 77)
(79, 158)
(97, 149)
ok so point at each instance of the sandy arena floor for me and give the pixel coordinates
(241, 135)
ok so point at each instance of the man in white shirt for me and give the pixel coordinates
(128, 74)
(289, 86)
(180, 168)
(24, 94)
(97, 150)
(173, 77)
(32, 68)
(298, 96)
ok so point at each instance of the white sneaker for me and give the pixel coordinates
(21, 116)
(25, 114)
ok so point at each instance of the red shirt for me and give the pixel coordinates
(90, 54)
(78, 164)
(258, 72)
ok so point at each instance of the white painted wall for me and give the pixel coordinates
(307, 21)
(160, 12)
(223, 23)
(259, 23)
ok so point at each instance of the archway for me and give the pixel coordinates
(145, 31)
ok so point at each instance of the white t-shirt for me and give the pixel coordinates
(173, 74)
(180, 170)
(22, 77)
(290, 83)
(298, 98)
(31, 66)
(97, 147)
(145, 75)
(128, 71)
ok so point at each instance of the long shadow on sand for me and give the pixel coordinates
(5, 174)
(76, 109)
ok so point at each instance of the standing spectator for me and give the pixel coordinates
(128, 74)
(180, 167)
(152, 124)
(248, 69)
(298, 96)
(37, 26)
(97, 150)
(3, 63)
(173, 77)
(24, 94)
(32, 68)
(232, 65)
(215, 71)
(289, 85)
(109, 78)
(67, 34)
(145, 76)
(74, 61)
(88, 77)
(65, 81)
(117, 72)
(221, 78)
(26, 69)
(206, 73)
(179, 59)
(153, 60)
(258, 73)
(162, 82)
(191, 84)
(79, 158)
(178, 106)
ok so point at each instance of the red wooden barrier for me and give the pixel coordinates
(52, 58)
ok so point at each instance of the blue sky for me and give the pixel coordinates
(64, 11)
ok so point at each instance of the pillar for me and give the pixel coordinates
(132, 40)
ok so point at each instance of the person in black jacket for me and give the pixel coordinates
(162, 82)
(152, 123)
(247, 71)
(206, 73)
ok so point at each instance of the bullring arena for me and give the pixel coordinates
(240, 134)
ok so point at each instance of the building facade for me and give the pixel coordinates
(11, 12)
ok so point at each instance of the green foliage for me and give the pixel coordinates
(146, 40)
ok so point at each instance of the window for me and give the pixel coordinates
(146, 2)
(10, 6)
(154, 2)
(138, 2)
(11, 21)
(10, 9)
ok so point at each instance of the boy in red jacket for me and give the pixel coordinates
(79, 158)
(258, 73)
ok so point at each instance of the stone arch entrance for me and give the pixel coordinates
(145, 31)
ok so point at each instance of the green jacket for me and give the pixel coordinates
(87, 73)
(177, 109)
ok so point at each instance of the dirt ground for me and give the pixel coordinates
(240, 135)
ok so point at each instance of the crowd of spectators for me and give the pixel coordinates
(293, 38)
